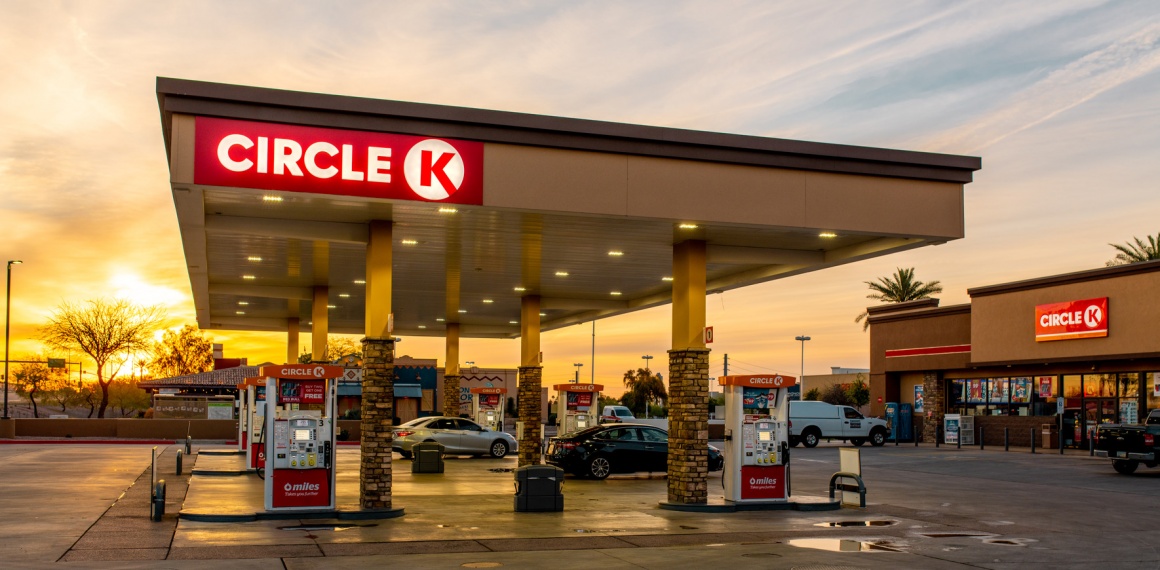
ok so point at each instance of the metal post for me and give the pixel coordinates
(1060, 438)
(980, 438)
(1091, 443)
(1006, 439)
(7, 326)
(937, 435)
(916, 436)
(179, 454)
(1033, 440)
(959, 440)
(189, 444)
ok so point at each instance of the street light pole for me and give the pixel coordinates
(7, 326)
(802, 378)
(577, 365)
(647, 374)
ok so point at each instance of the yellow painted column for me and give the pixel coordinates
(529, 391)
(292, 331)
(688, 379)
(378, 385)
(451, 372)
(320, 323)
(689, 295)
(379, 274)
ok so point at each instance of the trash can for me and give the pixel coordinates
(539, 488)
(427, 457)
(1050, 436)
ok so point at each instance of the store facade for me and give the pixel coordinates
(1068, 351)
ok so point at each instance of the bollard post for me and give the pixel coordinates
(179, 462)
(916, 436)
(980, 438)
(959, 440)
(1006, 439)
(188, 444)
(937, 434)
(1033, 440)
(1091, 443)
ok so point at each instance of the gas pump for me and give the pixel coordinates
(487, 407)
(252, 421)
(301, 407)
(576, 406)
(757, 438)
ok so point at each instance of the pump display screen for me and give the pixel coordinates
(764, 436)
(302, 434)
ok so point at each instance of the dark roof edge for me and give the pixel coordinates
(924, 165)
(921, 313)
(905, 306)
(1067, 278)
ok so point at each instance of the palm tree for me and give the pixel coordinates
(1136, 252)
(898, 288)
(646, 387)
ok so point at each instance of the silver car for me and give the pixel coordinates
(459, 436)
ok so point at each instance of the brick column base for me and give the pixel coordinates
(378, 416)
(688, 465)
(934, 399)
(451, 395)
(529, 396)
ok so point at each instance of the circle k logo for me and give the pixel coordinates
(1092, 316)
(433, 169)
(319, 372)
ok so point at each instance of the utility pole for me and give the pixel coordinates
(726, 365)
(802, 380)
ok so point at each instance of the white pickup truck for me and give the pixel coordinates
(811, 421)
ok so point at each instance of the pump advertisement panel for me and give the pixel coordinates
(763, 482)
(301, 487)
(1071, 320)
(579, 400)
(302, 392)
(292, 158)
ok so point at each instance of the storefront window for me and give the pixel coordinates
(1152, 390)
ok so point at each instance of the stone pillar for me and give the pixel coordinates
(451, 395)
(934, 396)
(688, 465)
(530, 394)
(378, 416)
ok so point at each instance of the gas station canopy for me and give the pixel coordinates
(583, 214)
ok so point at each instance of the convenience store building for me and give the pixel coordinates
(1073, 350)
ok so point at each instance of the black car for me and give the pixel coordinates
(600, 451)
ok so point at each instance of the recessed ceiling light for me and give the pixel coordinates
(344, 295)
(828, 235)
(615, 253)
(561, 274)
(240, 312)
(462, 310)
(409, 242)
(543, 314)
(521, 289)
(488, 301)
(243, 303)
(331, 306)
(269, 198)
(513, 322)
(253, 258)
(422, 326)
(447, 210)
(614, 293)
(360, 282)
(248, 277)
(666, 278)
(688, 226)
(439, 320)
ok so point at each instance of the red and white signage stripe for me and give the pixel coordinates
(928, 351)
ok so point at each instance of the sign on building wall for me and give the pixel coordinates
(1071, 320)
(919, 403)
(293, 158)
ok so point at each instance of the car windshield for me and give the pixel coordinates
(581, 433)
(623, 412)
(413, 422)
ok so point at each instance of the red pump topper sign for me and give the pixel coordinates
(275, 156)
(1071, 320)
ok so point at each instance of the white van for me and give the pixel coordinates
(811, 421)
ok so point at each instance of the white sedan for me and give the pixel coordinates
(459, 436)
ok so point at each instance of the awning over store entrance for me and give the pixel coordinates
(583, 214)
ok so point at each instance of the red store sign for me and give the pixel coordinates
(1071, 320)
(275, 156)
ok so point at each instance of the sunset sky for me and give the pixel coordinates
(1060, 99)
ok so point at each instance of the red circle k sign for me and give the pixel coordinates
(273, 156)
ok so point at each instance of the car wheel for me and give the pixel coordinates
(811, 437)
(599, 468)
(1125, 467)
(498, 449)
(793, 441)
(405, 454)
(878, 437)
(857, 442)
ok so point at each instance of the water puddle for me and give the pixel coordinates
(845, 524)
(337, 527)
(842, 545)
(502, 470)
(761, 555)
(1009, 541)
(967, 534)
